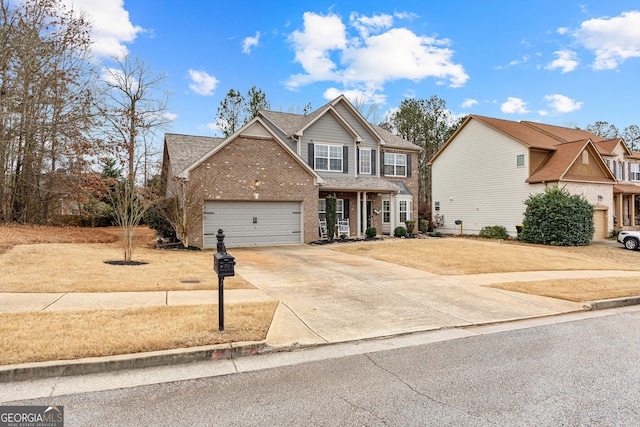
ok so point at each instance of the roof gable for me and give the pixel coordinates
(566, 164)
(256, 128)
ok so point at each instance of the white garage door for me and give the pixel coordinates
(253, 223)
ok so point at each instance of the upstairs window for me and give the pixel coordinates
(328, 158)
(634, 171)
(395, 164)
(365, 161)
(520, 160)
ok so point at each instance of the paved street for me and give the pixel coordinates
(581, 369)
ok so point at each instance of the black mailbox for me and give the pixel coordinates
(224, 264)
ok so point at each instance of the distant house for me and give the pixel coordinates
(266, 184)
(489, 167)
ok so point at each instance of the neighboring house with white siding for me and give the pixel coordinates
(268, 182)
(489, 167)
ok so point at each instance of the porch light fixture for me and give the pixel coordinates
(256, 183)
(600, 198)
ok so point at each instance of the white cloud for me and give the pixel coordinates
(468, 103)
(169, 116)
(202, 83)
(366, 96)
(562, 104)
(543, 113)
(250, 42)
(514, 106)
(367, 24)
(376, 55)
(613, 40)
(566, 61)
(563, 30)
(111, 27)
(321, 35)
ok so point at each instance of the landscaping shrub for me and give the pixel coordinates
(371, 232)
(400, 232)
(410, 223)
(494, 232)
(558, 218)
(435, 234)
(423, 226)
(331, 216)
(156, 221)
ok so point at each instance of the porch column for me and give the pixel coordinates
(620, 212)
(392, 213)
(358, 216)
(632, 210)
(366, 213)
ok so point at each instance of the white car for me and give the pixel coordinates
(630, 239)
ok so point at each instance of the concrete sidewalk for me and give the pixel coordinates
(325, 297)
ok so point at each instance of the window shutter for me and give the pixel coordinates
(382, 164)
(345, 159)
(345, 208)
(630, 176)
(311, 156)
(358, 161)
(373, 162)
(408, 165)
(623, 171)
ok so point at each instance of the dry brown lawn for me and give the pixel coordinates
(36, 337)
(454, 256)
(67, 266)
(71, 259)
(578, 290)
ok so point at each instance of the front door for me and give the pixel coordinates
(366, 214)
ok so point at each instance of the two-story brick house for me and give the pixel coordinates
(487, 170)
(267, 183)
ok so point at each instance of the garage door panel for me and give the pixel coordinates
(275, 223)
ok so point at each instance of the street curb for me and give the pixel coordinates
(611, 303)
(94, 365)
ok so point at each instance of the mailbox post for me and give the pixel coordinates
(224, 266)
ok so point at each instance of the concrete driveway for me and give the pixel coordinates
(329, 296)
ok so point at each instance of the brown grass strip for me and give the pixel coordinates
(455, 256)
(64, 267)
(36, 337)
(578, 290)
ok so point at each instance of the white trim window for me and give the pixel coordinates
(327, 157)
(365, 161)
(617, 170)
(322, 208)
(634, 171)
(395, 164)
(404, 210)
(386, 211)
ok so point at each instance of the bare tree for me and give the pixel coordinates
(45, 95)
(236, 110)
(135, 105)
(184, 210)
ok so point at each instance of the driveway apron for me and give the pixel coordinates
(343, 297)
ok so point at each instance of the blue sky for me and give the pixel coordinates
(558, 62)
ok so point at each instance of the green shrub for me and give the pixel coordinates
(156, 221)
(400, 232)
(331, 216)
(494, 232)
(558, 218)
(371, 232)
(423, 226)
(410, 223)
(435, 234)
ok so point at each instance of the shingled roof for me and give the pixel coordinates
(183, 150)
